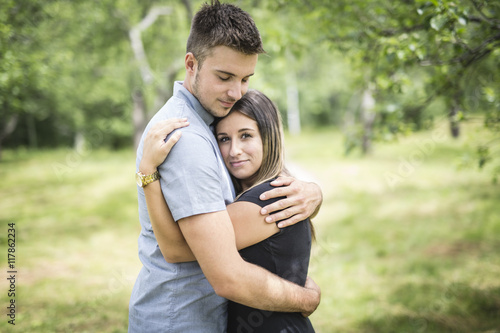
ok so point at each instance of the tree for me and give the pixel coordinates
(20, 63)
(141, 114)
(384, 41)
(68, 75)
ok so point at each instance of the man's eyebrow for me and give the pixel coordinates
(230, 74)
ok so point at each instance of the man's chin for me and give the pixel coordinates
(218, 113)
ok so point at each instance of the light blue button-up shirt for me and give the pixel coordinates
(177, 297)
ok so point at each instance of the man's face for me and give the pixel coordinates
(223, 79)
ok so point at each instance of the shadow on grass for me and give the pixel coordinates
(435, 308)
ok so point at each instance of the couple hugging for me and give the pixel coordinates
(225, 232)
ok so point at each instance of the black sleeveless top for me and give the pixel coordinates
(286, 254)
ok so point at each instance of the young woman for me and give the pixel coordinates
(250, 139)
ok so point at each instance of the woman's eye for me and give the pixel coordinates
(246, 135)
(223, 139)
(223, 78)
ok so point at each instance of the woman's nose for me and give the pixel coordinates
(235, 148)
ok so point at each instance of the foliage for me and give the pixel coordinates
(69, 65)
(410, 53)
(68, 70)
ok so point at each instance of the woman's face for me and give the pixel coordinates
(241, 146)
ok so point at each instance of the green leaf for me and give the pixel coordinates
(438, 21)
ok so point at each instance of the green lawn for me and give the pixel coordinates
(406, 241)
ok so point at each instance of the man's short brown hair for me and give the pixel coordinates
(222, 24)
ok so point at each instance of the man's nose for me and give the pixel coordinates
(236, 91)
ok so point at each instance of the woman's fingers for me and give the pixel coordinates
(155, 148)
(171, 142)
(163, 128)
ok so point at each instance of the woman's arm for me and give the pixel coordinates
(249, 226)
(168, 235)
(172, 244)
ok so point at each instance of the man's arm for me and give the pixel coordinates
(211, 238)
(303, 200)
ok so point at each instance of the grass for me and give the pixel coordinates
(406, 241)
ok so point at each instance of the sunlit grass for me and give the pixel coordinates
(76, 238)
(406, 240)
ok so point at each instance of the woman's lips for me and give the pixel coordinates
(237, 164)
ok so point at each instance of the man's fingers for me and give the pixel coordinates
(275, 206)
(274, 193)
(310, 284)
(292, 212)
(291, 221)
(283, 215)
(282, 181)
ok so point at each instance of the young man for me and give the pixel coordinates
(222, 52)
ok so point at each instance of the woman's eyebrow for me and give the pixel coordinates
(246, 129)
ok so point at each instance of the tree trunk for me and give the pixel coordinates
(139, 112)
(189, 9)
(7, 129)
(79, 141)
(292, 97)
(138, 116)
(136, 41)
(368, 119)
(32, 136)
(453, 117)
(293, 111)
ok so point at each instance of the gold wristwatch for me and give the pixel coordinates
(142, 180)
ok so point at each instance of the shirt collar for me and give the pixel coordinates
(182, 92)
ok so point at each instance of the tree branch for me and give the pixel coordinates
(489, 20)
(394, 32)
(469, 57)
(138, 46)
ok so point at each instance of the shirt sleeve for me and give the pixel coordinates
(191, 177)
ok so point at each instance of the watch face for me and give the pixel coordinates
(138, 179)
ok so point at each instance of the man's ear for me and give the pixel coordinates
(190, 63)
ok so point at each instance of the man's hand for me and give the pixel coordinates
(310, 284)
(303, 200)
